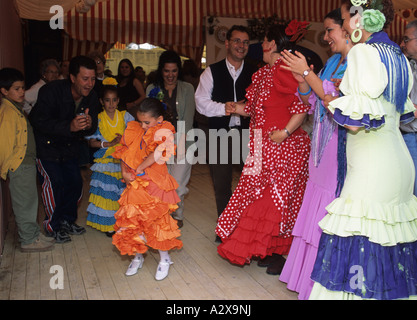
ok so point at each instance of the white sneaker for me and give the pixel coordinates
(134, 266)
(162, 270)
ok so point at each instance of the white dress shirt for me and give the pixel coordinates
(31, 96)
(208, 107)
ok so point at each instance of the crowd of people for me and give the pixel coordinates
(332, 212)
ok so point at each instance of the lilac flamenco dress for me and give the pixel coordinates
(320, 190)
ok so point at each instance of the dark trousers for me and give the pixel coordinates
(221, 167)
(62, 187)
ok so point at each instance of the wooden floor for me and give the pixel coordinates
(93, 269)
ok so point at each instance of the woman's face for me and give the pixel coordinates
(346, 19)
(125, 69)
(335, 35)
(170, 74)
(100, 66)
(51, 73)
(267, 47)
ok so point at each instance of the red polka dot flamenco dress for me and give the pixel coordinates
(262, 211)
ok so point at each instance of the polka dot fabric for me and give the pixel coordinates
(262, 211)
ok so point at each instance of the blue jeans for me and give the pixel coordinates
(411, 142)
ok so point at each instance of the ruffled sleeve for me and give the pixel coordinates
(363, 84)
(160, 140)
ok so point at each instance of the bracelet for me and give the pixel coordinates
(287, 132)
(102, 144)
(304, 94)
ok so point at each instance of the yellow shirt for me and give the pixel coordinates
(13, 137)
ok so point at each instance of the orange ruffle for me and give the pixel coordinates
(144, 217)
(142, 213)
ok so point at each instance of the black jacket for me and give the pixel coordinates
(51, 118)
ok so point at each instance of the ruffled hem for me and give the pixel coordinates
(117, 189)
(158, 229)
(144, 220)
(105, 194)
(382, 223)
(365, 269)
(365, 121)
(298, 267)
(257, 234)
(100, 223)
(107, 167)
(93, 209)
(104, 203)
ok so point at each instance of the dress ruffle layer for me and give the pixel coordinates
(306, 233)
(257, 235)
(366, 269)
(144, 221)
(382, 223)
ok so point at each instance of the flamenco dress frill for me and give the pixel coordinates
(320, 191)
(106, 184)
(368, 248)
(144, 217)
(261, 213)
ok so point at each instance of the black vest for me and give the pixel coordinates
(223, 91)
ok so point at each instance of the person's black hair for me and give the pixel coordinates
(168, 56)
(236, 28)
(152, 106)
(81, 61)
(8, 76)
(108, 88)
(336, 16)
(277, 32)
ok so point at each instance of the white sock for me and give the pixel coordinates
(164, 256)
(138, 256)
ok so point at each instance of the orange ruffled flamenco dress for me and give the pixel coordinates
(143, 219)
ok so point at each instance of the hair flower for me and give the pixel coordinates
(157, 93)
(373, 20)
(110, 81)
(297, 29)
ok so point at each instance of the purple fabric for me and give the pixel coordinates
(389, 272)
(364, 122)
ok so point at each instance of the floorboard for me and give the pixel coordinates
(93, 269)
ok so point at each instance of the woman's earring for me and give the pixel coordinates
(356, 37)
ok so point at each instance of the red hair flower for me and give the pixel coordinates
(297, 29)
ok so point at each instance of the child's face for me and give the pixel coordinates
(147, 120)
(110, 101)
(16, 92)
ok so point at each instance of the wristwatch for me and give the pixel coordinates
(305, 73)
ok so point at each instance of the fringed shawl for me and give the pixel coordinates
(395, 62)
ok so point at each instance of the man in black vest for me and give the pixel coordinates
(223, 82)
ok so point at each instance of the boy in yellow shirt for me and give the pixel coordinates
(17, 161)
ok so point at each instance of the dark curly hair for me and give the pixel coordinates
(388, 10)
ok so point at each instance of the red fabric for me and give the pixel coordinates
(261, 213)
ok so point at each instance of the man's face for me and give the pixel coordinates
(83, 83)
(238, 45)
(409, 43)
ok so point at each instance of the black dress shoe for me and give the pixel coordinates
(72, 228)
(218, 239)
(268, 260)
(110, 233)
(275, 268)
